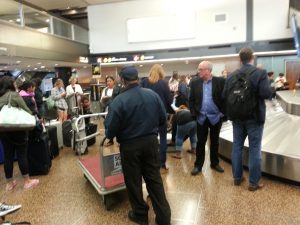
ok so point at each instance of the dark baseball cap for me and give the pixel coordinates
(129, 73)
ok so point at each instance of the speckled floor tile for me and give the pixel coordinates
(65, 197)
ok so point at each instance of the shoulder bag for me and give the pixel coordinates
(14, 118)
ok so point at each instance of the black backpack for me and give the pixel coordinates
(241, 99)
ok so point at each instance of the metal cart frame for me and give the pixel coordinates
(105, 192)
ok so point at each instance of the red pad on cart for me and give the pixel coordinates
(92, 164)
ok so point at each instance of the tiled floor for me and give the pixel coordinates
(65, 197)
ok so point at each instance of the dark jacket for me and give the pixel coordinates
(260, 83)
(161, 87)
(196, 94)
(16, 101)
(136, 112)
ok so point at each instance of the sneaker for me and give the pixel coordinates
(237, 182)
(32, 183)
(11, 185)
(7, 209)
(252, 187)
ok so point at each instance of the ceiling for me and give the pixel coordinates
(67, 4)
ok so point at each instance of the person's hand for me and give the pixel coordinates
(63, 94)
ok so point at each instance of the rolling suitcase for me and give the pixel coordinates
(53, 143)
(67, 133)
(59, 131)
(91, 128)
(39, 156)
(80, 148)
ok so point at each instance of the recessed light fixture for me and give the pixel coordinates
(18, 61)
(140, 65)
(11, 21)
(29, 66)
(42, 67)
(39, 63)
(162, 64)
(35, 68)
(18, 19)
(55, 64)
(47, 20)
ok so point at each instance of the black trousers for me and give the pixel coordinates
(15, 142)
(140, 159)
(202, 133)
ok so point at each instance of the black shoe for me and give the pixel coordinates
(196, 170)
(237, 182)
(134, 218)
(172, 143)
(218, 168)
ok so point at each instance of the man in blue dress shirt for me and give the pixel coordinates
(207, 106)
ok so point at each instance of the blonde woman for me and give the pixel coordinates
(58, 93)
(156, 82)
(74, 93)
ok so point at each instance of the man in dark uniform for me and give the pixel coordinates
(134, 117)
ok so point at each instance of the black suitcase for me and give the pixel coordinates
(91, 128)
(54, 148)
(67, 133)
(39, 156)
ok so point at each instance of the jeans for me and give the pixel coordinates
(189, 129)
(254, 131)
(162, 130)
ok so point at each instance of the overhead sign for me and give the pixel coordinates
(83, 59)
(136, 57)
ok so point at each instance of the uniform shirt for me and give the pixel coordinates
(136, 112)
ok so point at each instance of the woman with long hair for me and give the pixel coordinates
(156, 82)
(58, 94)
(14, 141)
(106, 99)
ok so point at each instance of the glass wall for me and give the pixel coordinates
(10, 11)
(36, 20)
(14, 12)
(62, 28)
(81, 35)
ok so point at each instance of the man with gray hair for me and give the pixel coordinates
(207, 106)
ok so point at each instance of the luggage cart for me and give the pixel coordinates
(104, 171)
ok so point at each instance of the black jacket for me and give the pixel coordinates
(196, 94)
(136, 112)
(260, 83)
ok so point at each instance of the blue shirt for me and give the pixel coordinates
(208, 109)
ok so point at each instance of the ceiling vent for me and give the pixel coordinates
(220, 17)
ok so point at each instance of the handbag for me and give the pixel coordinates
(14, 118)
(50, 103)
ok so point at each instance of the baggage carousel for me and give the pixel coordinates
(281, 137)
